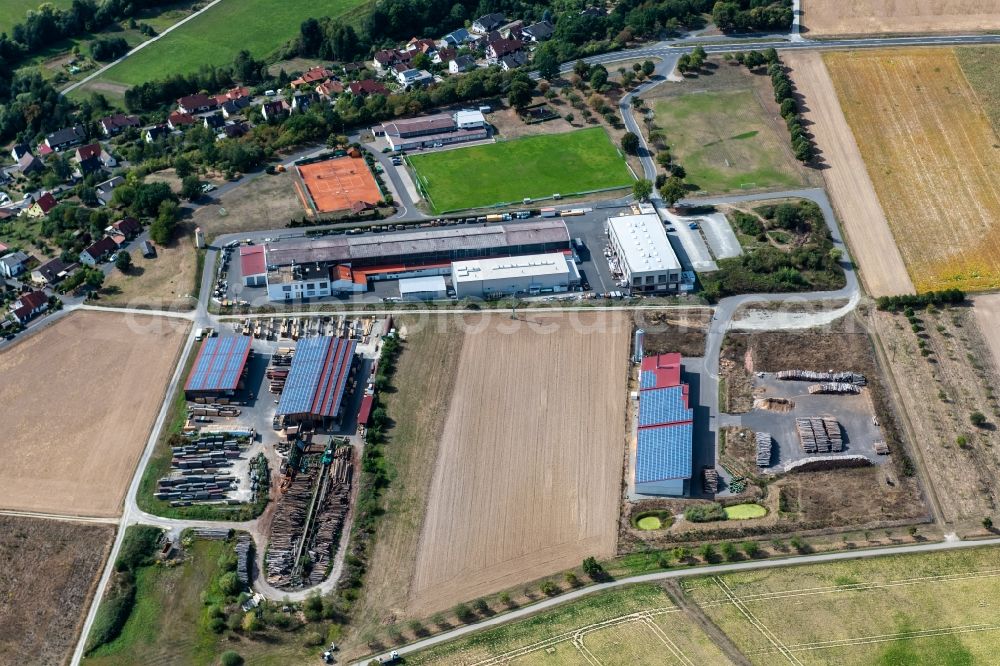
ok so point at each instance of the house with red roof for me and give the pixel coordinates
(196, 103)
(367, 87)
(29, 306)
(42, 207)
(177, 120)
(311, 76)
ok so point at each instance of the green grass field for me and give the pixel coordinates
(980, 64)
(724, 142)
(744, 511)
(649, 523)
(14, 11)
(215, 37)
(535, 167)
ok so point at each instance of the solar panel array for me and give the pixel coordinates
(659, 406)
(664, 453)
(219, 364)
(647, 379)
(318, 377)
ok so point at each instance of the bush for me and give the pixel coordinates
(231, 658)
(706, 552)
(112, 615)
(549, 588)
(705, 513)
(799, 544)
(977, 419)
(593, 568)
(481, 606)
(464, 613)
(138, 547)
(313, 639)
(751, 548)
(910, 301)
(729, 552)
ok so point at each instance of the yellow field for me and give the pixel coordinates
(929, 149)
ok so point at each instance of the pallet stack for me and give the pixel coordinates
(835, 388)
(810, 376)
(819, 434)
(710, 480)
(764, 442)
(881, 448)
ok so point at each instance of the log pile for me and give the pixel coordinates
(331, 514)
(243, 546)
(195, 468)
(810, 376)
(764, 442)
(710, 480)
(286, 530)
(819, 434)
(835, 388)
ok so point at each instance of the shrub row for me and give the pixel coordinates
(896, 303)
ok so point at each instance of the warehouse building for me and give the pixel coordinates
(317, 380)
(219, 368)
(429, 288)
(641, 254)
(429, 131)
(253, 266)
(508, 276)
(665, 428)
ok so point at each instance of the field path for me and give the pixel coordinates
(73, 86)
(851, 190)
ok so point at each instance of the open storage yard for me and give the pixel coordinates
(480, 176)
(210, 38)
(529, 467)
(49, 574)
(851, 190)
(721, 128)
(635, 625)
(871, 17)
(928, 147)
(937, 608)
(80, 398)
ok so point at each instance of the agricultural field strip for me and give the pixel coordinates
(573, 634)
(881, 638)
(855, 587)
(767, 633)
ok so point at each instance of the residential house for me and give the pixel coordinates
(444, 55)
(513, 61)
(302, 101)
(512, 30)
(13, 263)
(95, 150)
(232, 95)
(367, 87)
(386, 59)
(42, 206)
(29, 164)
(29, 306)
(105, 190)
(235, 130)
(51, 272)
(117, 123)
(214, 121)
(19, 151)
(274, 110)
(414, 77)
(421, 45)
(488, 23)
(128, 227)
(86, 167)
(499, 48)
(538, 32)
(98, 252)
(462, 63)
(328, 89)
(234, 107)
(65, 138)
(156, 132)
(178, 120)
(311, 76)
(458, 38)
(196, 103)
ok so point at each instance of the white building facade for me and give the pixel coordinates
(505, 276)
(641, 254)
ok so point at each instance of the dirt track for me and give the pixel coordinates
(857, 17)
(529, 470)
(987, 309)
(79, 399)
(851, 190)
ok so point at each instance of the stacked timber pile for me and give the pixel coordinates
(763, 448)
(810, 376)
(881, 448)
(835, 388)
(710, 480)
(332, 514)
(195, 471)
(216, 533)
(286, 530)
(215, 410)
(819, 434)
(243, 546)
(187, 489)
(276, 378)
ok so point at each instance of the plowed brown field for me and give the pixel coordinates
(929, 149)
(861, 17)
(79, 399)
(529, 470)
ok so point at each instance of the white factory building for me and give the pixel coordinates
(428, 288)
(503, 276)
(641, 253)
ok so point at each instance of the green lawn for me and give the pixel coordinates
(14, 11)
(214, 38)
(507, 172)
(724, 142)
(744, 511)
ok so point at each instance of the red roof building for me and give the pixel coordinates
(365, 411)
(178, 119)
(367, 87)
(253, 265)
(310, 76)
(661, 371)
(46, 202)
(128, 227)
(88, 151)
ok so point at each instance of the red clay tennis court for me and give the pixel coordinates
(339, 183)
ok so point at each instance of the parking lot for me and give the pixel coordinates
(854, 413)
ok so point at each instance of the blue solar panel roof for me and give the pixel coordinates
(318, 377)
(647, 380)
(659, 406)
(664, 453)
(219, 364)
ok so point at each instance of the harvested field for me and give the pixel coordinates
(933, 608)
(929, 149)
(529, 469)
(867, 17)
(336, 184)
(101, 378)
(50, 571)
(851, 190)
(980, 65)
(939, 392)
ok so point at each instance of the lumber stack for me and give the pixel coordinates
(332, 513)
(286, 530)
(819, 434)
(243, 546)
(810, 376)
(881, 448)
(764, 442)
(834, 388)
(710, 480)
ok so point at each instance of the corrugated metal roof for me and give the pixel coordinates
(317, 378)
(365, 411)
(219, 364)
(664, 453)
(660, 371)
